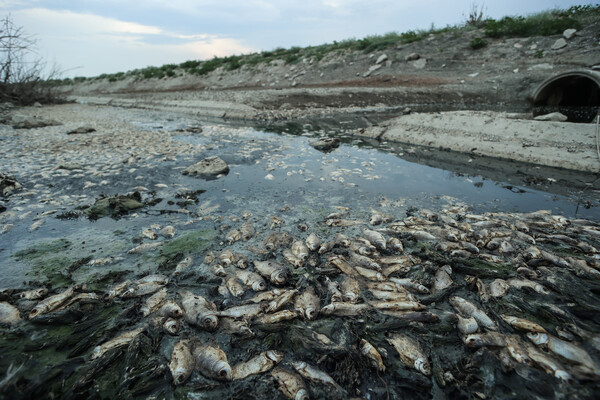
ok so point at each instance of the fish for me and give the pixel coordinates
(313, 242)
(344, 309)
(409, 283)
(117, 290)
(34, 294)
(370, 274)
(292, 259)
(9, 314)
(182, 362)
(493, 339)
(212, 362)
(121, 340)
(523, 324)
(548, 364)
(275, 272)
(300, 250)
(183, 265)
(168, 231)
(370, 352)
(311, 373)
(235, 287)
(326, 247)
(410, 353)
(247, 231)
(244, 311)
(392, 295)
(364, 261)
(334, 290)
(308, 304)
(104, 261)
(251, 279)
(36, 225)
(442, 279)
(226, 257)
(521, 283)
(233, 236)
(149, 233)
(171, 326)
(280, 301)
(238, 327)
(259, 364)
(498, 288)
(342, 223)
(141, 289)
(153, 302)
(290, 384)
(170, 309)
(420, 235)
(466, 326)
(564, 349)
(350, 289)
(397, 305)
(142, 248)
(274, 240)
(468, 309)
(284, 315)
(395, 244)
(51, 303)
(199, 311)
(376, 238)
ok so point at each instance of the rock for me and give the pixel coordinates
(555, 116)
(569, 33)
(420, 63)
(372, 69)
(412, 57)
(26, 122)
(37, 104)
(326, 144)
(8, 184)
(381, 59)
(81, 129)
(559, 44)
(210, 167)
(115, 206)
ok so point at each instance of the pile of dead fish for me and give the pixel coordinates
(522, 288)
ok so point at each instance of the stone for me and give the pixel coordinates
(115, 206)
(8, 184)
(81, 129)
(555, 116)
(412, 57)
(381, 59)
(372, 69)
(27, 122)
(569, 33)
(559, 44)
(326, 144)
(210, 167)
(420, 63)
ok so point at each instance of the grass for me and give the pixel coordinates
(546, 23)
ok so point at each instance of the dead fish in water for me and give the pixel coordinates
(153, 302)
(276, 273)
(257, 365)
(392, 295)
(397, 305)
(313, 242)
(292, 259)
(308, 304)
(168, 231)
(369, 351)
(376, 238)
(284, 315)
(247, 230)
(246, 214)
(409, 283)
(51, 303)
(342, 223)
(142, 248)
(311, 373)
(547, 363)
(493, 339)
(370, 274)
(274, 240)
(345, 309)
(183, 265)
(226, 257)
(142, 289)
(466, 326)
(564, 349)
(104, 261)
(251, 279)
(245, 311)
(182, 362)
(521, 283)
(364, 261)
(334, 290)
(422, 235)
(326, 247)
(498, 288)
(395, 244)
(280, 301)
(117, 290)
(235, 287)
(171, 326)
(9, 314)
(6, 228)
(233, 236)
(350, 289)
(199, 311)
(410, 353)
(119, 341)
(290, 384)
(170, 309)
(212, 362)
(442, 279)
(34, 294)
(235, 327)
(468, 309)
(523, 324)
(149, 233)
(36, 225)
(300, 250)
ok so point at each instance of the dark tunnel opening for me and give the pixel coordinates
(575, 94)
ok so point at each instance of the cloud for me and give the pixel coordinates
(92, 44)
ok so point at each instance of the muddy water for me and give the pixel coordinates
(271, 175)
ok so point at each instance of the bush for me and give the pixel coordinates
(544, 24)
(478, 43)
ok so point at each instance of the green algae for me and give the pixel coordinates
(42, 249)
(191, 242)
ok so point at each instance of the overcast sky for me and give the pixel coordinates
(90, 37)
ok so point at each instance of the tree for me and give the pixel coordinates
(24, 77)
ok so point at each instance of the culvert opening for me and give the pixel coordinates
(574, 94)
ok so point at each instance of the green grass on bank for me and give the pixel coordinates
(541, 24)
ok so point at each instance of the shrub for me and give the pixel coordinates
(478, 43)
(544, 24)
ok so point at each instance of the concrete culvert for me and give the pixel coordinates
(575, 94)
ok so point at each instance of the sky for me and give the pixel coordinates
(91, 37)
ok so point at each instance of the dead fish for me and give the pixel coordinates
(376, 218)
(311, 373)
(141, 289)
(392, 295)
(547, 363)
(280, 301)
(117, 290)
(183, 265)
(168, 231)
(247, 230)
(149, 233)
(466, 326)
(153, 278)
(104, 261)
(245, 311)
(410, 353)
(521, 283)
(442, 279)
(274, 240)
(369, 351)
(171, 326)
(209, 258)
(364, 248)
(409, 283)
(153, 302)
(235, 287)
(342, 223)
(51, 303)
(284, 315)
(523, 324)
(292, 259)
(275, 222)
(9, 314)
(326, 247)
(257, 365)
(399, 305)
(238, 327)
(376, 238)
(226, 257)
(313, 242)
(199, 311)
(233, 236)
(182, 362)
(170, 309)
(34, 294)
(395, 244)
(334, 290)
(246, 214)
(564, 349)
(276, 273)
(364, 261)
(370, 274)
(350, 289)
(251, 279)
(290, 384)
(308, 304)
(266, 296)
(559, 262)
(422, 235)
(468, 309)
(493, 339)
(119, 341)
(142, 248)
(396, 268)
(345, 309)
(212, 362)
(242, 261)
(36, 225)
(219, 270)
(498, 288)
(300, 250)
